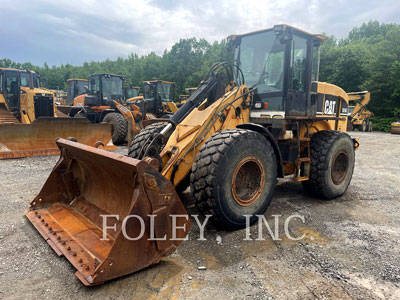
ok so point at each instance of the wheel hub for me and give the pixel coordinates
(248, 181)
(340, 166)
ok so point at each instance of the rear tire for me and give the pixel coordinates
(140, 139)
(234, 174)
(369, 126)
(332, 164)
(364, 126)
(395, 130)
(119, 127)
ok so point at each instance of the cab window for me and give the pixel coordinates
(298, 63)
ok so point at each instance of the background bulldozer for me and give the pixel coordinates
(263, 117)
(358, 112)
(28, 121)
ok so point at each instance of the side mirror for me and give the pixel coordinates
(87, 91)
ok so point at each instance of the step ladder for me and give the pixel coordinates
(303, 164)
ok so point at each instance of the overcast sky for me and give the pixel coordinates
(75, 31)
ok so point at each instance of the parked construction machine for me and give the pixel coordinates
(263, 117)
(76, 87)
(103, 103)
(359, 115)
(29, 124)
(395, 126)
(157, 100)
(132, 92)
(183, 98)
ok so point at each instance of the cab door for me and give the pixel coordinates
(11, 90)
(298, 96)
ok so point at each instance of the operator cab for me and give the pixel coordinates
(104, 88)
(155, 93)
(280, 63)
(76, 87)
(11, 82)
(131, 92)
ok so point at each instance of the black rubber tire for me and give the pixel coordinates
(139, 140)
(213, 169)
(119, 128)
(369, 126)
(395, 130)
(364, 126)
(325, 146)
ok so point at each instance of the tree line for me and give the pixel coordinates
(368, 58)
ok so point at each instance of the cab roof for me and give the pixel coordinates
(154, 81)
(108, 74)
(284, 27)
(77, 79)
(18, 70)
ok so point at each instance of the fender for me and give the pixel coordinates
(262, 130)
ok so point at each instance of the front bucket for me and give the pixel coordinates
(38, 138)
(88, 186)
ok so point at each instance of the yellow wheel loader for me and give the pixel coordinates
(358, 113)
(264, 116)
(157, 100)
(29, 124)
(395, 126)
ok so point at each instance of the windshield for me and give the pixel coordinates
(147, 91)
(112, 88)
(261, 58)
(164, 90)
(24, 79)
(133, 92)
(80, 87)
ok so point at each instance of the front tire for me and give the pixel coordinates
(119, 127)
(140, 139)
(332, 164)
(234, 175)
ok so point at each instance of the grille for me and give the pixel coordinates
(43, 106)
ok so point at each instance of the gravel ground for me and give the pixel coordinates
(350, 249)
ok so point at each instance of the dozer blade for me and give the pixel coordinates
(88, 183)
(38, 138)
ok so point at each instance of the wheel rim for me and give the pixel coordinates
(340, 166)
(248, 181)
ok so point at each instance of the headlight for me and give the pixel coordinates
(257, 105)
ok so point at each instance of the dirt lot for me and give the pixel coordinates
(351, 248)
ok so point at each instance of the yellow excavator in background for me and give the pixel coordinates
(266, 116)
(29, 124)
(358, 112)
